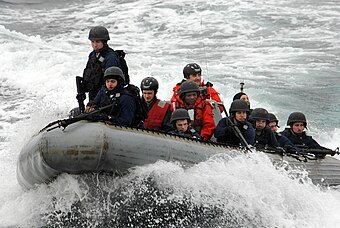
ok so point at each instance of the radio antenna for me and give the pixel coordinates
(241, 86)
(205, 52)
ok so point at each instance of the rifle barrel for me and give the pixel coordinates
(65, 122)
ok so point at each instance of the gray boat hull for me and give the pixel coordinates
(97, 147)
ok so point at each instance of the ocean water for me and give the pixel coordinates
(286, 52)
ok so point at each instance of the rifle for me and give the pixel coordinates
(237, 131)
(322, 152)
(65, 122)
(81, 96)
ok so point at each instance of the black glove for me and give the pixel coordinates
(203, 90)
(290, 149)
(209, 84)
(65, 123)
(81, 96)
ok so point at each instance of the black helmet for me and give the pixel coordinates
(99, 33)
(188, 86)
(297, 117)
(149, 83)
(115, 73)
(239, 105)
(272, 118)
(191, 68)
(260, 114)
(179, 114)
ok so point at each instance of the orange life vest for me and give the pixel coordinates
(156, 115)
(211, 93)
(203, 121)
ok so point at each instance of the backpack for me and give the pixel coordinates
(123, 65)
(141, 113)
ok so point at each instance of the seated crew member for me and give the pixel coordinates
(283, 141)
(180, 121)
(264, 136)
(193, 72)
(200, 110)
(122, 111)
(225, 132)
(296, 133)
(243, 96)
(159, 112)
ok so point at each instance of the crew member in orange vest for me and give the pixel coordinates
(193, 72)
(200, 110)
(159, 112)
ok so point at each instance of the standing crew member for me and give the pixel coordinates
(101, 58)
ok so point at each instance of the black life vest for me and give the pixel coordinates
(265, 137)
(111, 98)
(93, 73)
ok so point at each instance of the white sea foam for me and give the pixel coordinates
(286, 52)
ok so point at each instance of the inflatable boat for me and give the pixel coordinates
(87, 147)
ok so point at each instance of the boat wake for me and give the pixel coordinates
(244, 190)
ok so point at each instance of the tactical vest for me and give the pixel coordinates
(130, 90)
(266, 138)
(190, 133)
(262, 138)
(301, 140)
(93, 73)
(111, 99)
(230, 135)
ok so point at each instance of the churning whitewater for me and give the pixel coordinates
(286, 52)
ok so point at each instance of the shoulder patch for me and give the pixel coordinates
(161, 104)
